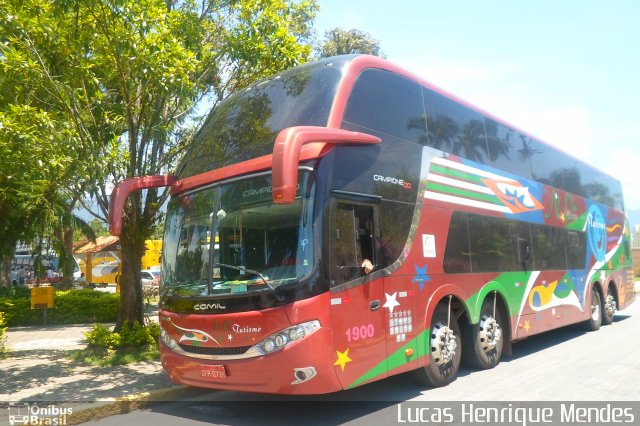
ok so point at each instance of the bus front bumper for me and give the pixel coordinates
(303, 368)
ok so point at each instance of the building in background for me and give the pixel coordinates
(100, 261)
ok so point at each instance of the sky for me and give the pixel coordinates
(567, 72)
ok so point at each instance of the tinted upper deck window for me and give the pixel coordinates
(246, 124)
(388, 104)
(455, 128)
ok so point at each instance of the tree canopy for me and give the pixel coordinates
(341, 42)
(102, 90)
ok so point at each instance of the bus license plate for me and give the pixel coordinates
(213, 372)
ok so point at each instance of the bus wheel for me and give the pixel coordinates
(483, 345)
(444, 349)
(610, 308)
(595, 320)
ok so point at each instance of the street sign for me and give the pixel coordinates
(41, 297)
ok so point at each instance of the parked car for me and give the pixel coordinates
(149, 278)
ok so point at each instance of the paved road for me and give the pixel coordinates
(563, 365)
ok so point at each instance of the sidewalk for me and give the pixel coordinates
(39, 368)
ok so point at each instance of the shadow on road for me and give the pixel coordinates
(237, 408)
(551, 338)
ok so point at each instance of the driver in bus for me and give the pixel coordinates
(366, 266)
(365, 236)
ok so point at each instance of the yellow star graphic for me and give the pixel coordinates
(527, 325)
(343, 358)
(562, 217)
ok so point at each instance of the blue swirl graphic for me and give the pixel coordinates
(597, 232)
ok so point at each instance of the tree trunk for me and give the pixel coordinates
(8, 248)
(132, 240)
(6, 268)
(68, 265)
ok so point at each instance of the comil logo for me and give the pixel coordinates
(207, 306)
(403, 183)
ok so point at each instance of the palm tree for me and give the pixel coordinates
(471, 141)
(499, 144)
(442, 131)
(63, 230)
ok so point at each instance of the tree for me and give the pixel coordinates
(50, 158)
(340, 42)
(133, 72)
(35, 148)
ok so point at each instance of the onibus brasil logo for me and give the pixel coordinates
(30, 413)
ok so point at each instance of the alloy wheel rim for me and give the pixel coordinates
(443, 344)
(490, 333)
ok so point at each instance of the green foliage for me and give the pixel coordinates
(340, 42)
(132, 344)
(14, 292)
(110, 358)
(18, 311)
(95, 91)
(71, 307)
(98, 227)
(101, 337)
(138, 335)
(82, 306)
(3, 331)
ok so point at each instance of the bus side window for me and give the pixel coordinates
(490, 244)
(352, 241)
(457, 255)
(524, 252)
(575, 250)
(548, 247)
(522, 238)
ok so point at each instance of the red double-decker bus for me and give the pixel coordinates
(345, 221)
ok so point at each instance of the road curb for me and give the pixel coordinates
(109, 407)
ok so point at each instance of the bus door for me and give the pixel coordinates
(357, 295)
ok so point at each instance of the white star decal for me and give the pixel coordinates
(391, 301)
(230, 337)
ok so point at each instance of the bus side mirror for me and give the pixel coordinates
(122, 190)
(286, 154)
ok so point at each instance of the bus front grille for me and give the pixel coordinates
(239, 350)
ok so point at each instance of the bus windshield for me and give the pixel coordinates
(246, 124)
(231, 238)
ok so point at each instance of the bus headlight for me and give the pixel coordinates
(282, 338)
(168, 340)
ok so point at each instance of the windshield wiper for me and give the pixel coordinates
(251, 271)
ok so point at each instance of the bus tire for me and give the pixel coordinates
(609, 307)
(483, 344)
(595, 319)
(444, 350)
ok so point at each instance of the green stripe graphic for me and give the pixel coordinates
(397, 359)
(464, 193)
(456, 173)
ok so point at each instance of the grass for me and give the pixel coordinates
(113, 357)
